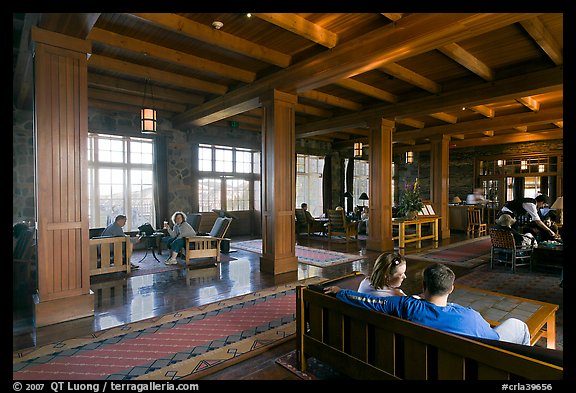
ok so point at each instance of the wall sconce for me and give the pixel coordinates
(358, 149)
(409, 157)
(540, 168)
(523, 165)
(501, 163)
(148, 114)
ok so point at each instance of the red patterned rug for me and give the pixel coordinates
(189, 343)
(468, 253)
(306, 255)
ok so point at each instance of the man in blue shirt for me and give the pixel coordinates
(115, 230)
(434, 310)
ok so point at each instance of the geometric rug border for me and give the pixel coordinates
(54, 348)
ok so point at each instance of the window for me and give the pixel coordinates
(120, 180)
(229, 175)
(361, 181)
(309, 183)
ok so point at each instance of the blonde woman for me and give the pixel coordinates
(387, 276)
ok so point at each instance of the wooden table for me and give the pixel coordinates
(548, 256)
(495, 307)
(417, 237)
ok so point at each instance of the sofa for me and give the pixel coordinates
(365, 344)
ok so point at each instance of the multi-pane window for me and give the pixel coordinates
(237, 194)
(309, 183)
(209, 194)
(229, 174)
(120, 180)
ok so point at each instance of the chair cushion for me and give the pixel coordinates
(220, 226)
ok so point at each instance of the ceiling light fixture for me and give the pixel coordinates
(409, 157)
(217, 24)
(358, 149)
(148, 113)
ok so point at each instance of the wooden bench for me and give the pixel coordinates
(365, 344)
(110, 255)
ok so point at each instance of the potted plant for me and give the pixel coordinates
(410, 202)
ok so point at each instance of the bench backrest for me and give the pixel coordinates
(365, 344)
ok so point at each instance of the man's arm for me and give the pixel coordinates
(361, 300)
(531, 209)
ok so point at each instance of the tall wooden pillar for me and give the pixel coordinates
(380, 212)
(61, 135)
(278, 183)
(439, 180)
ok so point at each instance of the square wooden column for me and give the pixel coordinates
(380, 212)
(439, 180)
(278, 183)
(61, 137)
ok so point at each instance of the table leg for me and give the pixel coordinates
(551, 331)
(401, 235)
(435, 230)
(419, 234)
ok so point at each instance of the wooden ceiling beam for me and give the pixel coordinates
(448, 118)
(542, 36)
(411, 35)
(410, 122)
(467, 60)
(129, 99)
(497, 123)
(510, 138)
(368, 90)
(302, 27)
(537, 82)
(409, 76)
(171, 56)
(128, 87)
(331, 100)
(219, 38)
(103, 63)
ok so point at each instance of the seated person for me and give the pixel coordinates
(115, 230)
(176, 238)
(363, 223)
(387, 276)
(316, 225)
(541, 235)
(506, 221)
(434, 310)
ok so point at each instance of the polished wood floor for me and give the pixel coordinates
(127, 299)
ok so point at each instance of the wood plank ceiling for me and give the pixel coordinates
(480, 78)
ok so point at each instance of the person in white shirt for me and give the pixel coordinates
(520, 206)
(387, 276)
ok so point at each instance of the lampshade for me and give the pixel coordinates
(347, 194)
(558, 203)
(456, 199)
(358, 149)
(363, 197)
(148, 113)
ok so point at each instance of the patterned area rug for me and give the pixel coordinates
(468, 253)
(306, 255)
(534, 285)
(190, 343)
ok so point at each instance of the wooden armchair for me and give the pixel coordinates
(303, 224)
(207, 246)
(339, 226)
(110, 255)
(505, 250)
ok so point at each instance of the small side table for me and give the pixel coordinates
(151, 242)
